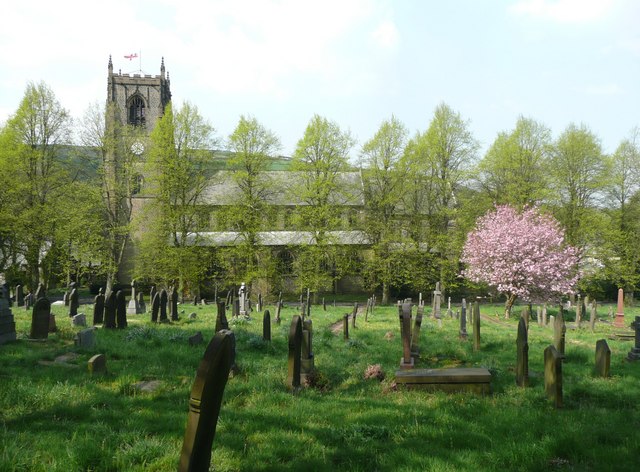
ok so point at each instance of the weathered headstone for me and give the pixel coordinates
(242, 301)
(98, 308)
(463, 320)
(539, 315)
(142, 306)
(79, 320)
(544, 315)
(163, 306)
(86, 338)
(259, 305)
(110, 310)
(155, 307)
(121, 310)
(593, 315)
(559, 331)
(235, 310)
(52, 323)
(306, 350)
(266, 326)
(619, 321)
(73, 302)
(205, 401)
(65, 298)
(174, 304)
(522, 360)
(19, 295)
(476, 326)
(40, 319)
(196, 339)
(7, 324)
(193, 316)
(132, 307)
(295, 352)
(221, 318)
(603, 358)
(579, 312)
(634, 354)
(415, 332)
(406, 362)
(553, 375)
(97, 364)
(437, 294)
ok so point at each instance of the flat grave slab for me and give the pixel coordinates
(452, 380)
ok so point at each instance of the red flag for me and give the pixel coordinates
(131, 56)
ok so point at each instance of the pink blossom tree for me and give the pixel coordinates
(521, 254)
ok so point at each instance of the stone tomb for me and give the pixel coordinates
(205, 402)
(452, 380)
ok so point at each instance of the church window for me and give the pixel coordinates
(136, 111)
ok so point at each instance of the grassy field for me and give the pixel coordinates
(56, 417)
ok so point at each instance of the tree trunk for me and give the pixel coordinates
(508, 304)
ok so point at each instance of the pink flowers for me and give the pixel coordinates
(521, 254)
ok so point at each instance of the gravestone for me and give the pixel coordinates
(110, 310)
(142, 306)
(193, 316)
(593, 315)
(73, 302)
(205, 402)
(406, 362)
(132, 306)
(7, 324)
(345, 326)
(544, 315)
(19, 295)
(619, 321)
(221, 318)
(603, 358)
(539, 315)
(79, 320)
(559, 331)
(634, 354)
(266, 326)
(553, 375)
(449, 312)
(52, 323)
(579, 312)
(522, 358)
(463, 320)
(306, 350)
(40, 292)
(174, 304)
(40, 319)
(437, 294)
(259, 305)
(155, 307)
(163, 306)
(121, 310)
(235, 310)
(476, 326)
(97, 364)
(86, 338)
(295, 352)
(242, 300)
(196, 339)
(415, 333)
(452, 380)
(98, 308)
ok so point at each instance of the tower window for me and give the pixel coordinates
(136, 111)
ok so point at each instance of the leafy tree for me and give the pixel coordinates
(521, 254)
(321, 156)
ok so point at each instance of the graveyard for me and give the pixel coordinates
(121, 400)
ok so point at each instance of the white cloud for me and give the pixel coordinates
(386, 35)
(563, 11)
(610, 89)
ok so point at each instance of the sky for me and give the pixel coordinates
(354, 62)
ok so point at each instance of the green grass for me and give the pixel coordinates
(58, 418)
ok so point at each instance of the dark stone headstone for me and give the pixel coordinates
(40, 319)
(235, 311)
(634, 354)
(65, 298)
(86, 338)
(163, 306)
(196, 339)
(205, 402)
(266, 326)
(522, 358)
(98, 308)
(278, 308)
(174, 304)
(559, 331)
(579, 313)
(306, 350)
(121, 310)
(73, 302)
(52, 323)
(295, 351)
(221, 318)
(603, 358)
(193, 316)
(152, 292)
(28, 301)
(110, 310)
(407, 360)
(553, 375)
(415, 332)
(259, 305)
(79, 320)
(7, 324)
(97, 364)
(155, 307)
(19, 295)
(476, 326)
(437, 301)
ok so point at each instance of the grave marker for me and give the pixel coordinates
(559, 331)
(406, 362)
(266, 326)
(155, 307)
(603, 358)
(196, 339)
(73, 302)
(86, 338)
(619, 321)
(415, 334)
(79, 320)
(110, 310)
(476, 326)
(40, 292)
(553, 375)
(98, 308)
(163, 306)
(121, 310)
(19, 295)
(40, 319)
(306, 350)
(436, 301)
(634, 354)
(173, 310)
(221, 318)
(522, 361)
(593, 316)
(97, 364)
(295, 352)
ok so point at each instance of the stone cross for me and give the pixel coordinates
(110, 310)
(603, 358)
(553, 375)
(266, 326)
(40, 319)
(476, 326)
(221, 318)
(205, 402)
(634, 354)
(463, 320)
(121, 310)
(559, 331)
(619, 321)
(295, 351)
(407, 360)
(522, 360)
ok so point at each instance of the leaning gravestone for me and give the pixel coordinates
(522, 361)
(559, 332)
(295, 352)
(205, 402)
(73, 302)
(415, 333)
(79, 320)
(98, 308)
(553, 375)
(163, 306)
(28, 301)
(221, 318)
(7, 325)
(110, 310)
(603, 358)
(155, 307)
(121, 310)
(266, 326)
(40, 319)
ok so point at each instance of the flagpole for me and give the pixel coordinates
(140, 60)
